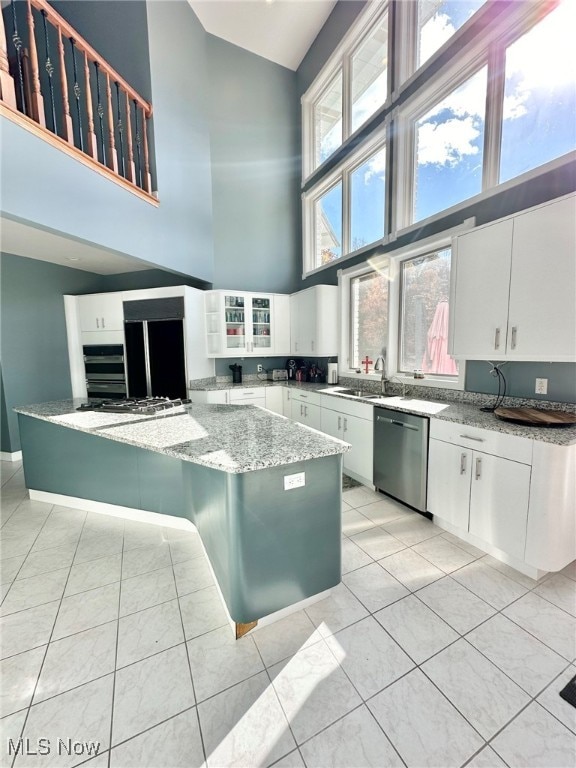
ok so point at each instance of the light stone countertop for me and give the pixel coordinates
(461, 412)
(229, 438)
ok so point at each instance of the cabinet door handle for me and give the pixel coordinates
(463, 464)
(312, 345)
(513, 336)
(339, 423)
(345, 425)
(306, 411)
(226, 394)
(301, 407)
(476, 439)
(478, 468)
(295, 346)
(497, 339)
(103, 323)
(97, 323)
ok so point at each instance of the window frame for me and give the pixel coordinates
(341, 59)
(393, 260)
(378, 141)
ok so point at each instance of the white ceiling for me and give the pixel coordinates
(23, 240)
(279, 30)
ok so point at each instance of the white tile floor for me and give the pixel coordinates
(428, 654)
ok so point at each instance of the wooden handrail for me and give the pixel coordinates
(84, 46)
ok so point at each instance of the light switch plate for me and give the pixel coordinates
(297, 480)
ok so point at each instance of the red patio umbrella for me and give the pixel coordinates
(436, 358)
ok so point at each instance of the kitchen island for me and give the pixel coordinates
(263, 492)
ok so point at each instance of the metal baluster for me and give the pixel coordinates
(100, 110)
(120, 127)
(18, 45)
(50, 70)
(77, 94)
(138, 140)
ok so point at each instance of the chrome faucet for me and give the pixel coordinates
(380, 365)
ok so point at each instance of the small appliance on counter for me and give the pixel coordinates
(236, 373)
(277, 374)
(291, 367)
(332, 377)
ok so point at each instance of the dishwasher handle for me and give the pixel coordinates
(397, 423)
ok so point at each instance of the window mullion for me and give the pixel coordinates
(346, 212)
(346, 97)
(494, 116)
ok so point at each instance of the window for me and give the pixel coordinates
(538, 122)
(437, 21)
(449, 149)
(368, 316)
(370, 74)
(328, 120)
(328, 220)
(347, 212)
(352, 87)
(367, 198)
(424, 314)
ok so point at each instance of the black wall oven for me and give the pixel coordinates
(105, 372)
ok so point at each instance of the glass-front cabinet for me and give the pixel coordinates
(242, 324)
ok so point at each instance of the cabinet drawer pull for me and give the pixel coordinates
(463, 464)
(497, 339)
(478, 468)
(339, 423)
(513, 337)
(303, 395)
(244, 394)
(476, 439)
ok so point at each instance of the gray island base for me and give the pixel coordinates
(272, 541)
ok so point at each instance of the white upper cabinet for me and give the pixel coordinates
(246, 324)
(314, 321)
(542, 314)
(101, 312)
(482, 261)
(514, 287)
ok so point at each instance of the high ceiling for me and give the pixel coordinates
(279, 30)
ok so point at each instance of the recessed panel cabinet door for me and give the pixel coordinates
(542, 315)
(449, 468)
(499, 502)
(481, 292)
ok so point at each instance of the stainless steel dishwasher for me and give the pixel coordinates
(401, 456)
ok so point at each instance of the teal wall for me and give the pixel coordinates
(255, 152)
(521, 380)
(35, 365)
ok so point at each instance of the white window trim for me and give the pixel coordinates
(340, 59)
(392, 261)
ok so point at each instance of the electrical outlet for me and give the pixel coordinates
(541, 386)
(294, 481)
(259, 368)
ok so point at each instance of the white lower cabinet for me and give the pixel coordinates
(305, 407)
(211, 396)
(248, 396)
(274, 401)
(449, 482)
(286, 402)
(477, 491)
(353, 423)
(499, 502)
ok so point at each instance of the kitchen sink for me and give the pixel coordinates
(358, 393)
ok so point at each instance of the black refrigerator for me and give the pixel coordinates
(155, 357)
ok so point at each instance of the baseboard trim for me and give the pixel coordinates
(7, 456)
(113, 510)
